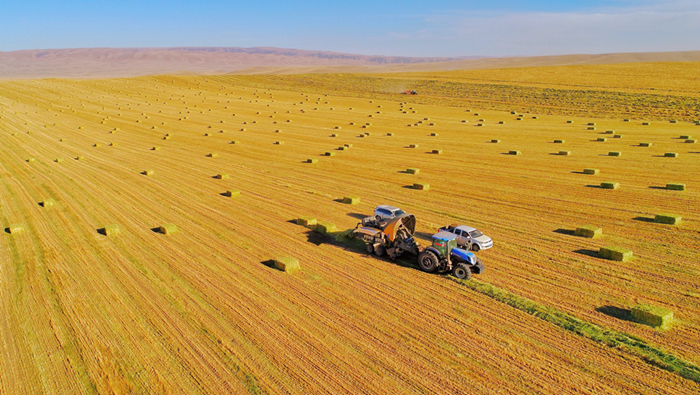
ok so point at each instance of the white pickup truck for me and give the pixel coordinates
(469, 238)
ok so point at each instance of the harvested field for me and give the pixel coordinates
(202, 312)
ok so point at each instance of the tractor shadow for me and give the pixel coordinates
(567, 232)
(616, 312)
(587, 252)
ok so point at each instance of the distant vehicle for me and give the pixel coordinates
(469, 238)
(387, 212)
(409, 92)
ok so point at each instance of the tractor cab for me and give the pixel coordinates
(444, 242)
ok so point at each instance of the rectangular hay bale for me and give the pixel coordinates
(565, 153)
(671, 154)
(614, 153)
(232, 193)
(514, 153)
(16, 228)
(615, 253)
(112, 230)
(645, 144)
(306, 221)
(287, 264)
(603, 139)
(559, 141)
(589, 231)
(437, 151)
(325, 227)
(412, 170)
(610, 185)
(351, 200)
(653, 316)
(167, 229)
(675, 186)
(668, 219)
(421, 186)
(591, 171)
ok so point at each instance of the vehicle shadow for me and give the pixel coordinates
(616, 312)
(357, 215)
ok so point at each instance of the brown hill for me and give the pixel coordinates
(128, 62)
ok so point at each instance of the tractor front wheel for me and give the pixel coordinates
(369, 248)
(428, 262)
(461, 272)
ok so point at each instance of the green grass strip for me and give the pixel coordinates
(612, 338)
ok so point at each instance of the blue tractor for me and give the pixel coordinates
(443, 255)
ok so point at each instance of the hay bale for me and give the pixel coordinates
(351, 200)
(501, 122)
(645, 144)
(675, 187)
(235, 142)
(48, 203)
(232, 193)
(668, 219)
(564, 153)
(671, 154)
(673, 121)
(325, 227)
(615, 253)
(617, 136)
(330, 153)
(589, 231)
(222, 176)
(59, 160)
(590, 171)
(413, 146)
(212, 155)
(569, 121)
(559, 141)
(287, 264)
(610, 185)
(495, 141)
(167, 229)
(390, 134)
(421, 186)
(80, 158)
(591, 123)
(63, 140)
(434, 134)
(479, 124)
(113, 144)
(514, 153)
(306, 221)
(614, 153)
(348, 145)
(155, 149)
(591, 128)
(535, 117)
(603, 139)
(111, 230)
(691, 141)
(279, 142)
(412, 170)
(16, 228)
(97, 145)
(343, 148)
(312, 160)
(334, 135)
(626, 120)
(646, 123)
(437, 151)
(655, 316)
(31, 160)
(147, 172)
(609, 132)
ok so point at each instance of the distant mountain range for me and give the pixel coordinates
(128, 62)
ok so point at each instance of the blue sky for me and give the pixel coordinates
(406, 28)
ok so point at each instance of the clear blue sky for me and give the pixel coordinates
(390, 27)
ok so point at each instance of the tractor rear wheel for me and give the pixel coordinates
(380, 250)
(461, 272)
(428, 262)
(369, 248)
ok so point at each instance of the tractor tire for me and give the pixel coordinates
(475, 247)
(369, 248)
(380, 250)
(428, 262)
(461, 272)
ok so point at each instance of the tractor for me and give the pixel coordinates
(443, 255)
(410, 92)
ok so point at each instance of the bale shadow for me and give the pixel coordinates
(587, 252)
(577, 172)
(338, 200)
(269, 263)
(7, 230)
(567, 232)
(357, 215)
(616, 312)
(403, 172)
(655, 187)
(594, 186)
(407, 186)
(156, 229)
(224, 194)
(102, 231)
(644, 219)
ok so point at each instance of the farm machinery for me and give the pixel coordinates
(409, 92)
(394, 237)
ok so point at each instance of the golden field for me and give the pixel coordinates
(202, 311)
